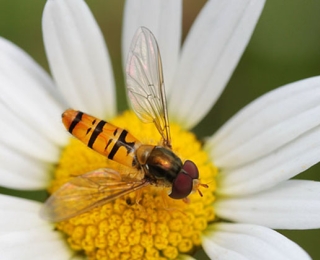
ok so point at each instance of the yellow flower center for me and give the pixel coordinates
(156, 226)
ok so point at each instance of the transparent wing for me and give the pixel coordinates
(145, 85)
(88, 191)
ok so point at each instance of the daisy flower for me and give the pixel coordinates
(247, 164)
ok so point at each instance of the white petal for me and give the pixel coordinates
(210, 54)
(268, 171)
(21, 228)
(293, 204)
(243, 241)
(18, 214)
(271, 140)
(26, 138)
(28, 95)
(163, 18)
(34, 244)
(78, 57)
(267, 123)
(20, 171)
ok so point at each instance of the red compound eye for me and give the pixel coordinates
(183, 184)
(191, 169)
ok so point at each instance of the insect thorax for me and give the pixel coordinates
(160, 163)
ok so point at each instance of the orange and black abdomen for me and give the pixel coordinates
(111, 141)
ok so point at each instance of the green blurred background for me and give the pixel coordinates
(284, 48)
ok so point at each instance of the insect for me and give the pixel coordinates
(159, 165)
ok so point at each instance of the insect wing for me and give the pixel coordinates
(87, 191)
(145, 84)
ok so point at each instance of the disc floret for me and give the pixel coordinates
(141, 225)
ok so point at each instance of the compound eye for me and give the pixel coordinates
(181, 186)
(191, 169)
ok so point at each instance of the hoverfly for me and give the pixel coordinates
(158, 164)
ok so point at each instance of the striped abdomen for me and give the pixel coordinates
(111, 141)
